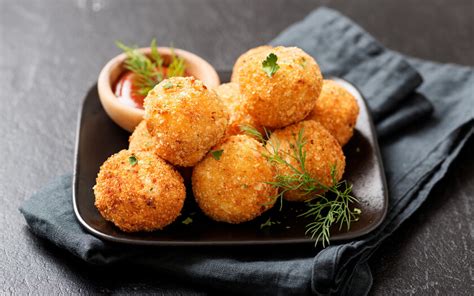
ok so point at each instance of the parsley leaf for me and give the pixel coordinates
(217, 154)
(269, 65)
(132, 160)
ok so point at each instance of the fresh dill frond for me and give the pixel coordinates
(299, 178)
(335, 208)
(155, 55)
(177, 66)
(254, 133)
(326, 212)
(148, 70)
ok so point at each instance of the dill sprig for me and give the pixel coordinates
(253, 132)
(177, 66)
(299, 179)
(329, 211)
(324, 210)
(149, 70)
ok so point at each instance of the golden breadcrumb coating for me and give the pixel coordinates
(141, 140)
(244, 59)
(230, 95)
(145, 195)
(185, 118)
(322, 153)
(337, 110)
(286, 97)
(234, 189)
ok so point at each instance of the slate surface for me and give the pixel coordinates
(51, 52)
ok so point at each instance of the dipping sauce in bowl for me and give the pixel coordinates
(121, 91)
(127, 89)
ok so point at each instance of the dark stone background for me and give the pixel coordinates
(51, 53)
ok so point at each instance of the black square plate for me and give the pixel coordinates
(98, 137)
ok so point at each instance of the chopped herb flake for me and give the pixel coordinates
(132, 160)
(302, 62)
(187, 221)
(217, 154)
(268, 223)
(167, 85)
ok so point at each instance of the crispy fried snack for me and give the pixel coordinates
(185, 118)
(138, 191)
(229, 93)
(323, 154)
(230, 183)
(337, 110)
(280, 85)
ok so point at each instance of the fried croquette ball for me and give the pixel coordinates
(185, 118)
(244, 59)
(323, 154)
(230, 95)
(282, 92)
(138, 191)
(337, 110)
(231, 183)
(141, 140)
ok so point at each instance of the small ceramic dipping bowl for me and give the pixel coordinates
(129, 117)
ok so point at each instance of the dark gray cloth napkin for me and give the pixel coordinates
(423, 110)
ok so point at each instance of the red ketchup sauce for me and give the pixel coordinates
(126, 89)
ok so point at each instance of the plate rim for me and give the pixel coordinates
(186, 243)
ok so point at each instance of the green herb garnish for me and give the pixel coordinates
(253, 132)
(269, 65)
(177, 66)
(155, 55)
(167, 85)
(268, 223)
(216, 154)
(149, 69)
(324, 210)
(302, 62)
(187, 221)
(132, 160)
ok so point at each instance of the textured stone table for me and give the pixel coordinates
(51, 52)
